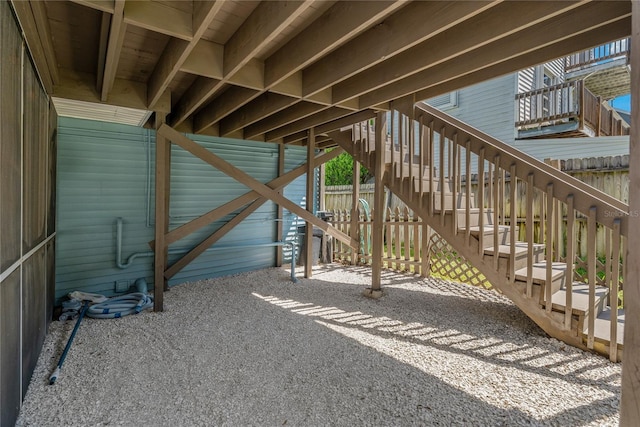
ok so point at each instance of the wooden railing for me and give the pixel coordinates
(428, 148)
(600, 54)
(566, 102)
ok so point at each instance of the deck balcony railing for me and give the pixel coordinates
(604, 53)
(568, 102)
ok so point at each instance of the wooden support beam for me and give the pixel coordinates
(324, 116)
(378, 204)
(355, 212)
(235, 204)
(242, 177)
(102, 49)
(177, 51)
(611, 31)
(376, 44)
(333, 125)
(263, 106)
(308, 237)
(117, 31)
(106, 6)
(44, 33)
(160, 18)
(520, 44)
(289, 115)
(280, 210)
(342, 21)
(234, 98)
(264, 24)
(630, 399)
(163, 176)
(498, 22)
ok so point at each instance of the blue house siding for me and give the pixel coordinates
(106, 172)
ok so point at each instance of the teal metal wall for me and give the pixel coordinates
(106, 171)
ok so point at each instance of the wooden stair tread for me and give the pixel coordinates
(579, 299)
(522, 248)
(539, 272)
(488, 229)
(602, 329)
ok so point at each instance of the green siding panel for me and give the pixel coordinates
(106, 171)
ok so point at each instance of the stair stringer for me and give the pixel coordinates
(551, 323)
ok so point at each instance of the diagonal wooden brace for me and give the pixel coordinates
(244, 178)
(235, 204)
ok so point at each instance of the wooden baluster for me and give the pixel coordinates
(421, 153)
(389, 231)
(416, 243)
(430, 199)
(548, 288)
(490, 187)
(502, 197)
(496, 213)
(398, 240)
(591, 273)
(443, 147)
(513, 222)
(613, 332)
(456, 179)
(412, 151)
(542, 212)
(467, 203)
(481, 202)
(407, 240)
(607, 259)
(401, 145)
(570, 259)
(529, 230)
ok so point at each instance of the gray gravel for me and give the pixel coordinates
(256, 349)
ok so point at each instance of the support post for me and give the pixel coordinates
(355, 197)
(163, 177)
(308, 237)
(378, 209)
(630, 399)
(279, 213)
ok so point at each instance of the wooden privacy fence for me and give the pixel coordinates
(409, 247)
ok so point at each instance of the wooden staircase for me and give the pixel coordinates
(464, 184)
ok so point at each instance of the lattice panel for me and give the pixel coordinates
(448, 264)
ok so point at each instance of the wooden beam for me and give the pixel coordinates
(630, 399)
(163, 174)
(280, 210)
(397, 33)
(107, 6)
(498, 22)
(296, 112)
(522, 43)
(264, 105)
(378, 204)
(235, 204)
(114, 47)
(242, 177)
(125, 93)
(355, 217)
(308, 236)
(612, 31)
(324, 116)
(177, 51)
(102, 49)
(37, 50)
(264, 24)
(44, 33)
(234, 98)
(205, 60)
(338, 24)
(333, 125)
(160, 18)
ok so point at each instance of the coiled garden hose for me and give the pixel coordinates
(124, 305)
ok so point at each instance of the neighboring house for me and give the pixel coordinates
(559, 109)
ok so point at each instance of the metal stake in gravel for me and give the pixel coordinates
(56, 373)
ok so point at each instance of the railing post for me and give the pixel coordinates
(378, 209)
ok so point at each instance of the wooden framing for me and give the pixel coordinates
(308, 237)
(355, 216)
(163, 176)
(279, 213)
(378, 204)
(630, 400)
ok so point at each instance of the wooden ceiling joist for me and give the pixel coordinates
(498, 22)
(117, 31)
(521, 43)
(265, 105)
(159, 17)
(378, 44)
(177, 51)
(299, 111)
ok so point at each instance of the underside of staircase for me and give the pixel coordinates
(461, 182)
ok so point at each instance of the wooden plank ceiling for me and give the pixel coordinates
(269, 70)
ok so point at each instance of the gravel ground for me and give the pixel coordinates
(256, 349)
